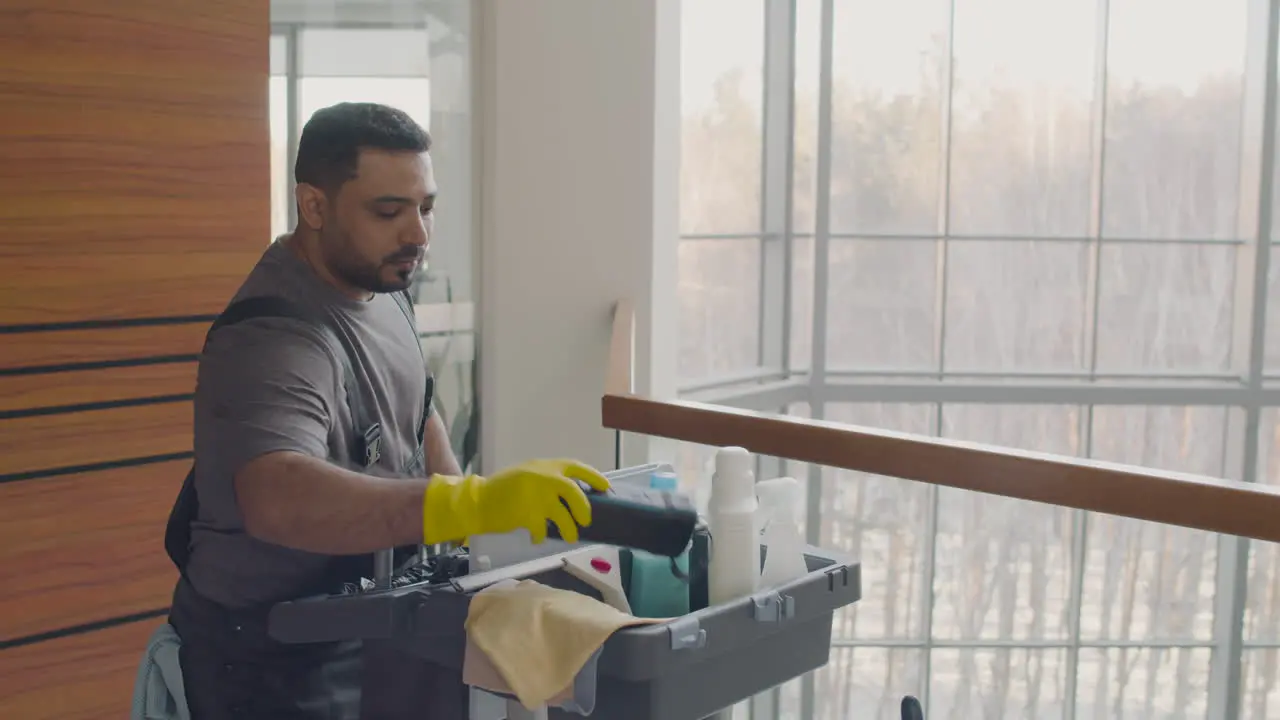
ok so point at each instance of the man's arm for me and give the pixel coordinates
(438, 450)
(266, 402)
(306, 503)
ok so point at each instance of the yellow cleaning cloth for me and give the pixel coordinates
(538, 637)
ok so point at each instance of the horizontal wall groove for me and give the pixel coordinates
(87, 407)
(106, 324)
(111, 465)
(97, 365)
(84, 628)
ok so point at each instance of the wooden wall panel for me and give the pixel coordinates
(135, 169)
(99, 345)
(72, 440)
(87, 676)
(55, 554)
(134, 197)
(99, 386)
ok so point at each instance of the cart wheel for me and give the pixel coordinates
(911, 709)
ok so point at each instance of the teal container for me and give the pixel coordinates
(653, 590)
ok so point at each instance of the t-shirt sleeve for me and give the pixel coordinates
(266, 385)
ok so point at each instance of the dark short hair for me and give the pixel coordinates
(334, 136)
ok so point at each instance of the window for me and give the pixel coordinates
(1028, 223)
(720, 180)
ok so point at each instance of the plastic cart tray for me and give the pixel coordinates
(684, 669)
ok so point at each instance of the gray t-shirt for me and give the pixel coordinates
(271, 384)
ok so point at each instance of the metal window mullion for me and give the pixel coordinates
(1227, 667)
(1097, 185)
(821, 261)
(745, 378)
(720, 236)
(293, 101)
(380, 14)
(775, 291)
(1079, 563)
(776, 159)
(933, 496)
(1089, 350)
(1032, 644)
(914, 390)
(1049, 376)
(1228, 573)
(821, 253)
(766, 397)
(822, 208)
(932, 500)
(1022, 238)
(943, 220)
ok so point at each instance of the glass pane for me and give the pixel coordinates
(1003, 566)
(1174, 95)
(968, 684)
(719, 307)
(1021, 121)
(1146, 581)
(1260, 689)
(886, 124)
(278, 50)
(885, 523)
(882, 307)
(1165, 307)
(1275, 174)
(1262, 613)
(804, 148)
(802, 303)
(412, 95)
(451, 275)
(1143, 683)
(362, 53)
(1015, 306)
(349, 65)
(695, 464)
(1262, 607)
(867, 683)
(1271, 359)
(721, 68)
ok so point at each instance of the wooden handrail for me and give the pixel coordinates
(1204, 503)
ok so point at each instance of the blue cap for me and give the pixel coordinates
(664, 481)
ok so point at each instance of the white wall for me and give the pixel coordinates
(578, 146)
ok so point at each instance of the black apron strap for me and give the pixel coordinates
(418, 463)
(405, 301)
(186, 507)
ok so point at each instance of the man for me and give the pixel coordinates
(295, 492)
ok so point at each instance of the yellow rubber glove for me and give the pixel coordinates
(524, 496)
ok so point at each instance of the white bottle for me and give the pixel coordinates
(734, 568)
(784, 546)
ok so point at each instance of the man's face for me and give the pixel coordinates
(377, 226)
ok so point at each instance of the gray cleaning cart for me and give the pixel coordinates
(684, 669)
